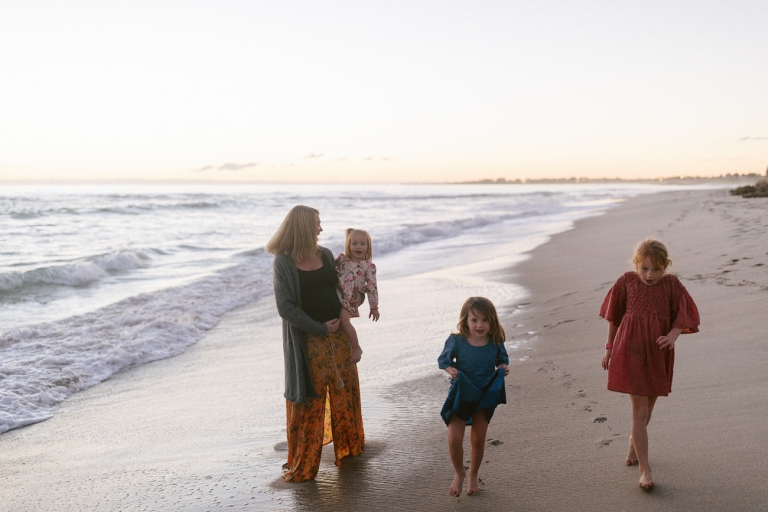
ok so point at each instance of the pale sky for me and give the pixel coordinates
(381, 91)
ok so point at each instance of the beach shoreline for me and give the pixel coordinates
(168, 435)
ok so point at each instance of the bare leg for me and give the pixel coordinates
(456, 449)
(477, 438)
(631, 456)
(641, 414)
(349, 329)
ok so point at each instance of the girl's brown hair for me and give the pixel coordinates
(296, 237)
(484, 307)
(348, 242)
(651, 248)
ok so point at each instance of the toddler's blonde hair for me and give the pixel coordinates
(483, 306)
(348, 242)
(651, 248)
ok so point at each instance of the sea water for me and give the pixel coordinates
(95, 279)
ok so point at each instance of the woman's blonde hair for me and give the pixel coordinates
(297, 236)
(651, 248)
(348, 242)
(484, 307)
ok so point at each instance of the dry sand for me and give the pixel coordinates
(174, 435)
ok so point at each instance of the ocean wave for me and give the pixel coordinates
(25, 209)
(415, 234)
(75, 274)
(43, 364)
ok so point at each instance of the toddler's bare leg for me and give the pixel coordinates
(349, 329)
(641, 412)
(477, 438)
(456, 450)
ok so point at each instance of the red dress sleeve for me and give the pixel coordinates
(615, 303)
(685, 314)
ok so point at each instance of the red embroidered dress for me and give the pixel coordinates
(643, 313)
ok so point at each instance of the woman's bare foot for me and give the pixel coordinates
(458, 481)
(646, 481)
(631, 456)
(474, 485)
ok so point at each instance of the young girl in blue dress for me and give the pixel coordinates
(476, 360)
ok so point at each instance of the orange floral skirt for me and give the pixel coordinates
(335, 416)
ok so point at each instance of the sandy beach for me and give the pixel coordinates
(174, 434)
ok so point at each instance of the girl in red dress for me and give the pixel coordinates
(647, 310)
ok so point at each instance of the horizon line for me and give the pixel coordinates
(482, 181)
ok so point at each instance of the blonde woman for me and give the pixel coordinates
(322, 390)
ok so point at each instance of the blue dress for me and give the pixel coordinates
(479, 385)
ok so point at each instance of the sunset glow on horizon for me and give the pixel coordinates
(339, 91)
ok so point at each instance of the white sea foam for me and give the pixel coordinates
(77, 273)
(44, 364)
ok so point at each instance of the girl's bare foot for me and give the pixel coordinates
(631, 456)
(474, 485)
(646, 481)
(458, 481)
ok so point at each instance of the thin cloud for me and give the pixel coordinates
(313, 155)
(754, 138)
(236, 167)
(367, 159)
(202, 169)
(387, 158)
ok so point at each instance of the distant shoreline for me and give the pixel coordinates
(671, 180)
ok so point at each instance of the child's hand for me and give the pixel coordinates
(666, 342)
(506, 369)
(453, 372)
(374, 313)
(607, 359)
(669, 340)
(356, 299)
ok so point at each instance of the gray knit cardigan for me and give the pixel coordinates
(298, 381)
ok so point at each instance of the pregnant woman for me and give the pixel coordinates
(322, 390)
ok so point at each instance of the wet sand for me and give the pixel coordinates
(708, 448)
(178, 434)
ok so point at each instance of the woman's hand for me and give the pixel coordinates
(374, 313)
(607, 358)
(506, 369)
(332, 325)
(453, 372)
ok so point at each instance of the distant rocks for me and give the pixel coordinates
(760, 189)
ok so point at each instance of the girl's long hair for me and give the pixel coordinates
(296, 237)
(481, 306)
(652, 248)
(348, 243)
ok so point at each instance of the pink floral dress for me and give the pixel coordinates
(356, 277)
